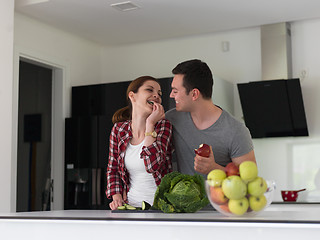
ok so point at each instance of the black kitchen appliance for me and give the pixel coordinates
(273, 108)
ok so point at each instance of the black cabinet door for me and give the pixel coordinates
(113, 97)
(104, 129)
(86, 100)
(85, 162)
(81, 142)
(167, 102)
(98, 100)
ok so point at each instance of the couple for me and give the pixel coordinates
(143, 136)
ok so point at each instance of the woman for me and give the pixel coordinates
(140, 146)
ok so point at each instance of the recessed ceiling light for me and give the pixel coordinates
(125, 6)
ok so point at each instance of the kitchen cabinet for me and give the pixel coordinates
(98, 99)
(86, 156)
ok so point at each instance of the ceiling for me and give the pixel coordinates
(162, 19)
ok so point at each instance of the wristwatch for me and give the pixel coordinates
(152, 134)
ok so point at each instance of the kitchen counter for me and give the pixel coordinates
(292, 213)
(295, 221)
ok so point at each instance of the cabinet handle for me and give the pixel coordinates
(94, 187)
(99, 186)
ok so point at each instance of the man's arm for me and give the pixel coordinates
(246, 157)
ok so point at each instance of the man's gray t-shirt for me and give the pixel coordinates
(228, 137)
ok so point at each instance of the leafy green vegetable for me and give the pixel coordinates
(180, 193)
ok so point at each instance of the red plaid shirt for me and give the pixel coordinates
(156, 157)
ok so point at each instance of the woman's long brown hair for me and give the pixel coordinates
(125, 113)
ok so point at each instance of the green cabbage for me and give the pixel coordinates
(180, 193)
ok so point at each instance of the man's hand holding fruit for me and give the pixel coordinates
(204, 160)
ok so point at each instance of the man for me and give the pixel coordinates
(197, 120)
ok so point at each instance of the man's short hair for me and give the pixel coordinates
(196, 74)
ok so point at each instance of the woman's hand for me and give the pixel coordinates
(117, 201)
(156, 115)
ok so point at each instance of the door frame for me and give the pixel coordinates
(60, 110)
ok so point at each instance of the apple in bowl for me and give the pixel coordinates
(232, 169)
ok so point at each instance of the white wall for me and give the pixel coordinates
(241, 63)
(6, 74)
(82, 57)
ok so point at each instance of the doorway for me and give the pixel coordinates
(34, 138)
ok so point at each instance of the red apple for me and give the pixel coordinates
(203, 150)
(232, 169)
(217, 195)
(225, 208)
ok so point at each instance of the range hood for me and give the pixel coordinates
(273, 107)
(276, 57)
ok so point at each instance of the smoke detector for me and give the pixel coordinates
(125, 6)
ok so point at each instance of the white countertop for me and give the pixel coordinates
(278, 221)
(293, 213)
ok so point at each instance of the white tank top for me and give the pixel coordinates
(142, 183)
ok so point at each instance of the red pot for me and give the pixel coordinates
(290, 196)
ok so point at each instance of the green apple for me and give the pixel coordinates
(239, 206)
(248, 171)
(257, 203)
(233, 187)
(215, 177)
(217, 196)
(257, 187)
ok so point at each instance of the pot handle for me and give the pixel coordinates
(301, 190)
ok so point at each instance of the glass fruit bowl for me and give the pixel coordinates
(244, 207)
